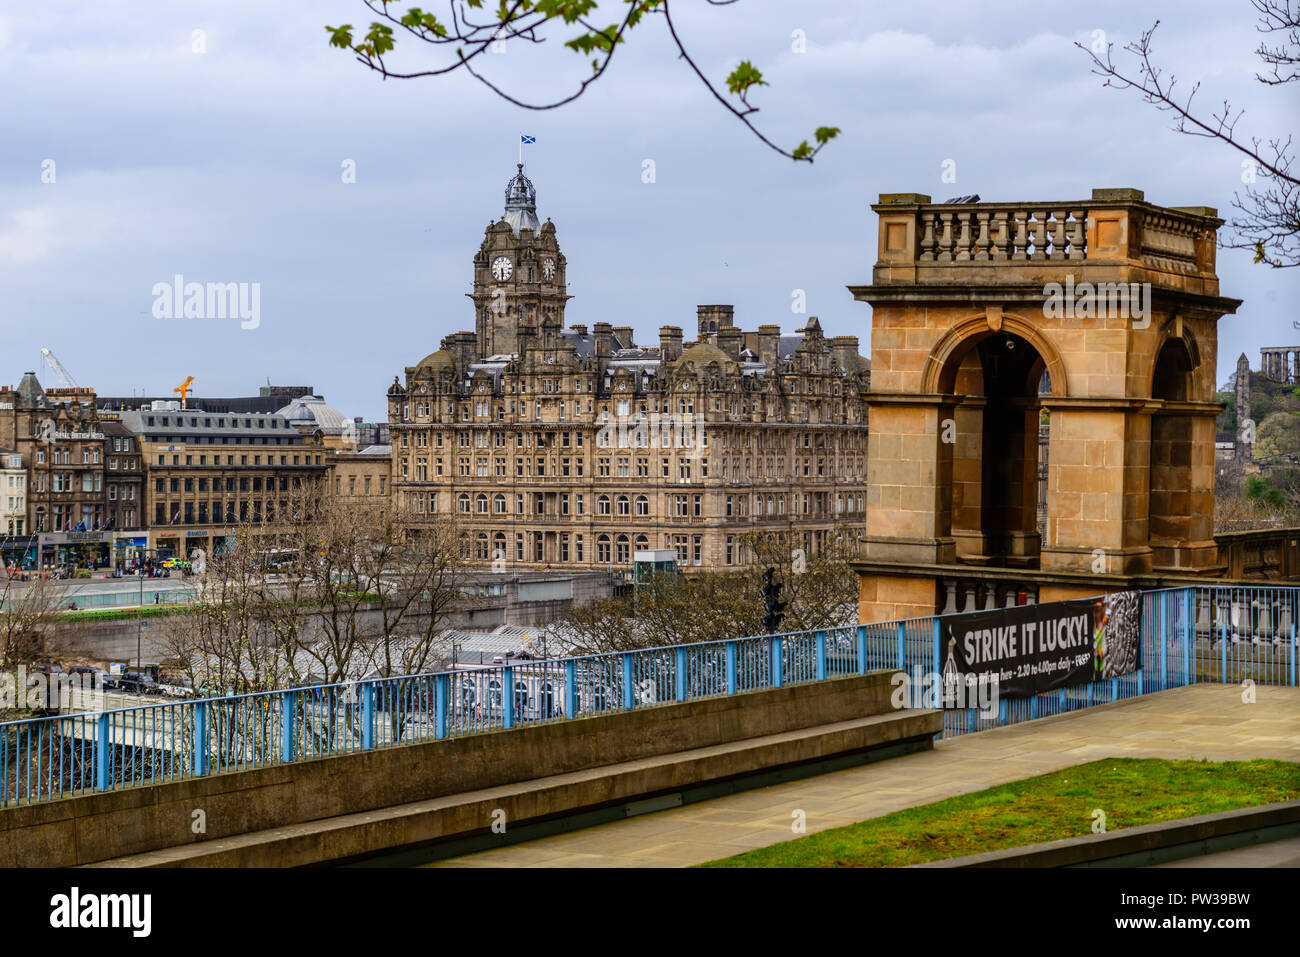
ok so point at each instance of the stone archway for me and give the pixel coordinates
(993, 377)
(972, 305)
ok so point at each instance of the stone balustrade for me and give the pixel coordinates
(984, 594)
(1255, 615)
(1169, 242)
(996, 232)
(1115, 228)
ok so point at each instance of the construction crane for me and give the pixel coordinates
(60, 373)
(184, 389)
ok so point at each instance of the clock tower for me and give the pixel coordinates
(518, 273)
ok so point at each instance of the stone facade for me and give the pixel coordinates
(208, 473)
(1116, 301)
(571, 447)
(58, 434)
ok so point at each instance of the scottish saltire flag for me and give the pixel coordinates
(524, 138)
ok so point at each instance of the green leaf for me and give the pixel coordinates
(802, 151)
(1259, 251)
(743, 77)
(380, 39)
(825, 134)
(341, 36)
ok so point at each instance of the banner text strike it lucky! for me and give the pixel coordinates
(982, 645)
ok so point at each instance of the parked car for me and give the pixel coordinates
(134, 683)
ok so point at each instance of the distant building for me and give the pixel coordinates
(208, 473)
(57, 433)
(563, 447)
(1281, 364)
(363, 477)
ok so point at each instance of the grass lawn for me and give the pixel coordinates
(1131, 792)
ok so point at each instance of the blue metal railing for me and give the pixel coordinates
(1202, 633)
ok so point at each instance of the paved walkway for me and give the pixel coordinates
(1201, 721)
(1283, 853)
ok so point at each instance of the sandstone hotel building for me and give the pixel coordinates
(571, 447)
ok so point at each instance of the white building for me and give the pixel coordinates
(13, 494)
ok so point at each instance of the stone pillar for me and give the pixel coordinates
(1097, 490)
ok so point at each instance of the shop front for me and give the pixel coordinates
(129, 549)
(168, 544)
(76, 550)
(18, 553)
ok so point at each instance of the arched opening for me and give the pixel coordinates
(995, 436)
(1169, 489)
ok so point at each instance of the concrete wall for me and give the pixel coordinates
(136, 820)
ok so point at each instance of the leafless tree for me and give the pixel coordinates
(1268, 214)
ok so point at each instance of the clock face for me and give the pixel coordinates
(501, 268)
(548, 268)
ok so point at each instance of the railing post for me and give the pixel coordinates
(1164, 640)
(1189, 626)
(1293, 651)
(287, 726)
(821, 656)
(102, 753)
(732, 683)
(1223, 640)
(862, 649)
(629, 689)
(199, 739)
(367, 717)
(681, 674)
(570, 688)
(902, 646)
(441, 687)
(777, 669)
(938, 637)
(508, 697)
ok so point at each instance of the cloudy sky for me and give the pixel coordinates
(225, 166)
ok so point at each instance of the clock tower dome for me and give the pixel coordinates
(518, 273)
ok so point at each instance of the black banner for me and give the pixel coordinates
(1028, 649)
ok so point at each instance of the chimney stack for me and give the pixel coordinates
(769, 347)
(844, 350)
(670, 343)
(729, 340)
(603, 331)
(624, 335)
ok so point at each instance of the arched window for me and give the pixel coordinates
(642, 543)
(462, 502)
(602, 549)
(642, 505)
(602, 505)
(621, 550)
(499, 547)
(624, 505)
(499, 504)
(481, 546)
(482, 503)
